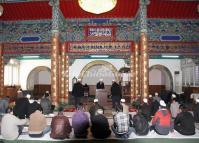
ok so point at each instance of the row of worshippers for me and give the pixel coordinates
(78, 91)
(123, 123)
(25, 105)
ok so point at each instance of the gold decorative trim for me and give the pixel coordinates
(99, 62)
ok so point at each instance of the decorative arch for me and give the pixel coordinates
(30, 79)
(99, 62)
(165, 70)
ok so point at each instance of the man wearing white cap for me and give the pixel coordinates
(196, 114)
(93, 109)
(161, 122)
(146, 109)
(174, 108)
(125, 107)
(100, 84)
(78, 92)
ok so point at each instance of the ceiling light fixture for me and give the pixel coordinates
(97, 6)
(99, 56)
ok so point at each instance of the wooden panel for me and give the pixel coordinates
(11, 91)
(156, 88)
(39, 89)
(191, 89)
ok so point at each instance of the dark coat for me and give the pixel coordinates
(33, 107)
(78, 90)
(21, 108)
(100, 85)
(100, 127)
(93, 109)
(184, 123)
(196, 113)
(140, 124)
(146, 111)
(116, 90)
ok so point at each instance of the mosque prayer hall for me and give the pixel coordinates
(99, 71)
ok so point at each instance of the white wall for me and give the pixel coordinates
(26, 66)
(172, 64)
(155, 77)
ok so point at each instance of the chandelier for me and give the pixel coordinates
(97, 6)
(1, 10)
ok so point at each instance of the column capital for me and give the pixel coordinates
(143, 15)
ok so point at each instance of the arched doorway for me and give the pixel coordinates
(96, 70)
(39, 80)
(160, 78)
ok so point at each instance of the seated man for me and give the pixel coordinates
(37, 124)
(121, 126)
(4, 103)
(146, 109)
(80, 122)
(60, 126)
(46, 104)
(100, 126)
(140, 124)
(11, 126)
(184, 122)
(161, 122)
(93, 109)
(21, 107)
(174, 108)
(124, 106)
(33, 106)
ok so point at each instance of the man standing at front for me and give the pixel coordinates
(78, 92)
(116, 93)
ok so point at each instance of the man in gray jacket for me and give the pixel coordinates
(46, 104)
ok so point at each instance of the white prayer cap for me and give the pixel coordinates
(145, 100)
(123, 100)
(150, 96)
(139, 95)
(162, 103)
(156, 94)
(95, 100)
(173, 95)
(47, 91)
(113, 80)
(197, 100)
(100, 111)
(28, 96)
(101, 79)
(79, 79)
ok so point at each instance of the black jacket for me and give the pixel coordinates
(184, 123)
(33, 107)
(196, 113)
(140, 124)
(78, 90)
(116, 90)
(100, 85)
(146, 111)
(100, 127)
(21, 108)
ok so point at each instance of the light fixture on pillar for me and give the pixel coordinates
(1, 10)
(97, 6)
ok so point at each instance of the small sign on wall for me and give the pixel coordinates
(100, 33)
